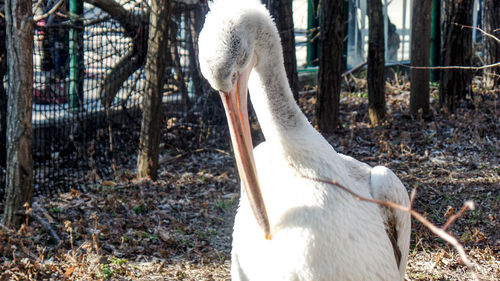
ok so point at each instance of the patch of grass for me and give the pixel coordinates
(145, 235)
(125, 238)
(208, 233)
(180, 275)
(224, 205)
(55, 210)
(474, 217)
(106, 272)
(202, 179)
(139, 209)
(363, 95)
(180, 230)
(117, 261)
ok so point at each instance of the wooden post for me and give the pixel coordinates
(376, 63)
(282, 14)
(330, 65)
(420, 51)
(456, 84)
(147, 161)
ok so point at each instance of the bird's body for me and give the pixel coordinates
(319, 232)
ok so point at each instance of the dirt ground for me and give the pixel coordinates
(179, 227)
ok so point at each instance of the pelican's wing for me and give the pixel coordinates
(385, 186)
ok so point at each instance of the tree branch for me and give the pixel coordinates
(50, 12)
(128, 20)
(477, 28)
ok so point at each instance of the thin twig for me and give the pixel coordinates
(467, 205)
(477, 28)
(458, 66)
(452, 66)
(441, 232)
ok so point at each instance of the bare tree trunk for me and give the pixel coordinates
(330, 65)
(376, 63)
(491, 14)
(282, 13)
(420, 53)
(19, 185)
(3, 97)
(457, 50)
(147, 162)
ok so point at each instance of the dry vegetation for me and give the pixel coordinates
(179, 228)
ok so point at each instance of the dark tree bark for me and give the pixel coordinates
(330, 64)
(147, 162)
(420, 53)
(376, 63)
(282, 14)
(196, 21)
(19, 182)
(130, 21)
(3, 97)
(491, 25)
(456, 51)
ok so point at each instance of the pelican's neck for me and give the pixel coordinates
(283, 124)
(279, 115)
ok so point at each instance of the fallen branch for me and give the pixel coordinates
(441, 232)
(46, 225)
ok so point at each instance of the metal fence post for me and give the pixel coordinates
(76, 54)
(435, 55)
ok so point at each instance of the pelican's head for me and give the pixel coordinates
(227, 41)
(227, 56)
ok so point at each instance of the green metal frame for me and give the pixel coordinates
(435, 56)
(76, 54)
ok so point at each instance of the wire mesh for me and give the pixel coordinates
(88, 80)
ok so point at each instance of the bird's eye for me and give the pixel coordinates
(233, 77)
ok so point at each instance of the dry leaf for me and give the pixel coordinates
(69, 271)
(108, 183)
(449, 212)
(438, 258)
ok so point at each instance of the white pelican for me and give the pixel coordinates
(291, 227)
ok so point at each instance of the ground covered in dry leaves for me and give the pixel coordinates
(179, 227)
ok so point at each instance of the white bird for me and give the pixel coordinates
(289, 227)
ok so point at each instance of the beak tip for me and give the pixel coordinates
(268, 236)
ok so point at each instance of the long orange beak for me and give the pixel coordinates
(236, 106)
